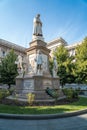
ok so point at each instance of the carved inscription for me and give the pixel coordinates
(28, 86)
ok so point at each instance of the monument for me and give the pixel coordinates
(36, 77)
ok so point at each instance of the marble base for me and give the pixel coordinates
(36, 85)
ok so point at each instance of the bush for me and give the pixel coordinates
(30, 98)
(70, 93)
(75, 93)
(11, 90)
(4, 93)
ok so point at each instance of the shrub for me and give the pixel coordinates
(16, 97)
(75, 93)
(11, 90)
(30, 98)
(70, 93)
(4, 93)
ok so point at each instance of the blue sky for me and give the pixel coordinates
(60, 18)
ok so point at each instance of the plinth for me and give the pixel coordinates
(36, 85)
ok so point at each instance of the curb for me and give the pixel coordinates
(42, 116)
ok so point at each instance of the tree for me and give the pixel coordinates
(81, 51)
(65, 65)
(8, 69)
(61, 54)
(81, 72)
(81, 62)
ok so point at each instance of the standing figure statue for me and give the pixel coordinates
(20, 62)
(39, 62)
(37, 29)
(55, 67)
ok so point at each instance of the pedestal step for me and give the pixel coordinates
(39, 95)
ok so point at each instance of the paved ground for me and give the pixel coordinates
(71, 123)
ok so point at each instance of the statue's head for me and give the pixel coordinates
(38, 15)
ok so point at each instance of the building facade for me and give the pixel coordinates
(52, 45)
(6, 46)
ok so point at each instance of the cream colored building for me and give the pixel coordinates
(71, 48)
(52, 45)
(6, 46)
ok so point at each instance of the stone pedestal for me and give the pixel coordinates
(36, 85)
(36, 77)
(36, 81)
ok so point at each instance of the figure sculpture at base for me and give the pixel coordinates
(19, 63)
(39, 62)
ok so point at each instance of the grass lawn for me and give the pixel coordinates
(80, 104)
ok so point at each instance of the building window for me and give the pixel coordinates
(3, 53)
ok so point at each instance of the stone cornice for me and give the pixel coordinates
(12, 45)
(60, 39)
(73, 46)
(36, 48)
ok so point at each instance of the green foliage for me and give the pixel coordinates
(16, 97)
(81, 51)
(8, 69)
(74, 106)
(30, 98)
(81, 62)
(68, 70)
(61, 54)
(66, 66)
(70, 93)
(76, 93)
(11, 90)
(81, 72)
(4, 93)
